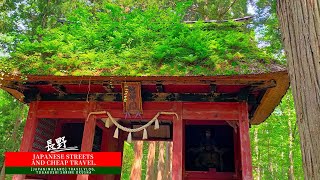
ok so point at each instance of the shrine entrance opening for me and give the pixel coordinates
(209, 148)
(73, 132)
(212, 150)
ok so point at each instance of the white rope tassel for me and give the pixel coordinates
(116, 133)
(145, 134)
(129, 139)
(107, 123)
(156, 124)
(110, 120)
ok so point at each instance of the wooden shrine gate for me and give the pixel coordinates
(206, 118)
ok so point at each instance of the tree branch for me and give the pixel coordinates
(228, 8)
(226, 20)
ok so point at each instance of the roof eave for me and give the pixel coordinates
(271, 99)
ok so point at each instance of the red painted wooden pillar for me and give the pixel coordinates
(28, 133)
(58, 131)
(237, 158)
(104, 140)
(246, 163)
(178, 145)
(122, 138)
(111, 144)
(88, 136)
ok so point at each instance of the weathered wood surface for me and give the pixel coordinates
(205, 110)
(300, 30)
(131, 97)
(71, 88)
(245, 151)
(178, 141)
(88, 136)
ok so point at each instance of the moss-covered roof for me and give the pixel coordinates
(138, 44)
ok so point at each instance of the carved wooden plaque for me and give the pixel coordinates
(131, 96)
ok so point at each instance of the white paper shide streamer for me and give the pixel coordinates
(110, 119)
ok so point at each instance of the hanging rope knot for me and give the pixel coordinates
(95, 113)
(130, 130)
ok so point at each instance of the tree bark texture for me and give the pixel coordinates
(150, 162)
(136, 166)
(300, 27)
(167, 170)
(161, 164)
(3, 174)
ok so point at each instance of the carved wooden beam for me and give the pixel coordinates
(117, 97)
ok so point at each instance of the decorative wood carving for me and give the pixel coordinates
(132, 100)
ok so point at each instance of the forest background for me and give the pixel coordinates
(127, 37)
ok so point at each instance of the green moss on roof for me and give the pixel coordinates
(140, 43)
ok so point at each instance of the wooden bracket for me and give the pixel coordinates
(244, 94)
(108, 87)
(31, 94)
(59, 88)
(213, 88)
(159, 87)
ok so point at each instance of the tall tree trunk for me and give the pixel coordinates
(171, 162)
(270, 169)
(3, 174)
(283, 163)
(151, 157)
(290, 173)
(161, 161)
(282, 159)
(206, 10)
(290, 133)
(136, 166)
(300, 29)
(256, 150)
(168, 160)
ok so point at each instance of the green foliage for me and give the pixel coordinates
(10, 111)
(153, 41)
(273, 143)
(128, 156)
(217, 9)
(267, 27)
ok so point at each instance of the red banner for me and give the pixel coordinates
(63, 159)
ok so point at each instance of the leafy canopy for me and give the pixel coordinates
(111, 40)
